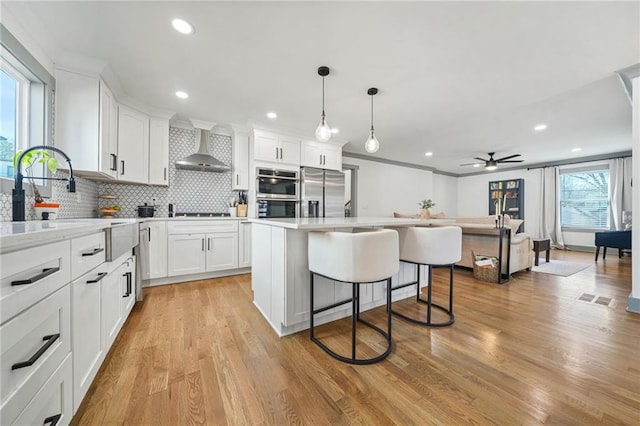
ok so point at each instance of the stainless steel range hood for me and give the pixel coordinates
(202, 160)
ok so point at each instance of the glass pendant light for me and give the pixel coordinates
(323, 132)
(372, 145)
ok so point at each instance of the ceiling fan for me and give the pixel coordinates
(491, 163)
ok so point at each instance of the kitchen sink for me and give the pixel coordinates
(121, 238)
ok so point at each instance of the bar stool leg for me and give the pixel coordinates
(389, 307)
(354, 319)
(311, 308)
(430, 281)
(451, 290)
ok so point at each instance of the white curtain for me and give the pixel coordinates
(619, 190)
(550, 206)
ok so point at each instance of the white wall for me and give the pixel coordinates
(445, 195)
(385, 188)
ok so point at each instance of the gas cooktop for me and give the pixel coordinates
(206, 214)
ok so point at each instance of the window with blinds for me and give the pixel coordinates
(584, 199)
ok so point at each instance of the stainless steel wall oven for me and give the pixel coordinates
(277, 193)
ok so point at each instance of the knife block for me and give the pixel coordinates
(242, 210)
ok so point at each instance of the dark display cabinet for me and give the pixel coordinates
(507, 197)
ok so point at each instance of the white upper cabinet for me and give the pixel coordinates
(275, 148)
(133, 145)
(86, 124)
(240, 175)
(321, 155)
(158, 151)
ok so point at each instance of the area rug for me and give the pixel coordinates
(560, 267)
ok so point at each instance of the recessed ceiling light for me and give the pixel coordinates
(540, 127)
(272, 115)
(428, 154)
(335, 130)
(576, 149)
(182, 26)
(476, 165)
(182, 95)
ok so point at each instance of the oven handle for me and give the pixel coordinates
(277, 197)
(277, 177)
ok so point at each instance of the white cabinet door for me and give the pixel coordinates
(128, 287)
(332, 157)
(133, 145)
(108, 162)
(266, 147)
(289, 150)
(157, 249)
(158, 151)
(111, 306)
(222, 251)
(244, 245)
(311, 154)
(240, 176)
(86, 329)
(186, 254)
(322, 155)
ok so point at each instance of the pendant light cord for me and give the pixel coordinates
(323, 98)
(372, 112)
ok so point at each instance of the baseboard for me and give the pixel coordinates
(633, 305)
(586, 249)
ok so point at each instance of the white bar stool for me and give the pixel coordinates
(438, 246)
(355, 258)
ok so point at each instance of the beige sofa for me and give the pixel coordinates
(474, 241)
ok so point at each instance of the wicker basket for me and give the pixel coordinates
(486, 273)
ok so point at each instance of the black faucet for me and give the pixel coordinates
(18, 191)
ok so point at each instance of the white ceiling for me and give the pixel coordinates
(458, 79)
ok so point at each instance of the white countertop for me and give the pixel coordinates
(344, 222)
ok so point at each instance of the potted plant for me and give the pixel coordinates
(38, 156)
(425, 205)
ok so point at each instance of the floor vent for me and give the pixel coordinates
(595, 299)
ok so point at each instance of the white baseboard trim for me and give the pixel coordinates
(194, 277)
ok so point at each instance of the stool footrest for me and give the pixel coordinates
(333, 305)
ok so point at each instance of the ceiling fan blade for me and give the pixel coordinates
(471, 164)
(480, 159)
(507, 157)
(511, 161)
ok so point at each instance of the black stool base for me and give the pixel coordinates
(355, 318)
(429, 322)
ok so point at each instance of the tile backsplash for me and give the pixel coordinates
(189, 191)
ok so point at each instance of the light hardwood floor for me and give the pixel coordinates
(526, 352)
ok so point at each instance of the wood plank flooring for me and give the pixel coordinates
(522, 353)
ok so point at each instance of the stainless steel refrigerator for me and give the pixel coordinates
(321, 193)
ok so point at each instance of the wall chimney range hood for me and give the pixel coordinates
(202, 160)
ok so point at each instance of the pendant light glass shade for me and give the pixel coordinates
(372, 144)
(323, 132)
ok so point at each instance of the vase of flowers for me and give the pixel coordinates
(425, 205)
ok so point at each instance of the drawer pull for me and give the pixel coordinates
(45, 273)
(101, 275)
(53, 420)
(129, 280)
(49, 339)
(93, 253)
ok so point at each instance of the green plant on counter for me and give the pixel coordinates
(426, 204)
(38, 156)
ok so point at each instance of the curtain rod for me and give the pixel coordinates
(584, 160)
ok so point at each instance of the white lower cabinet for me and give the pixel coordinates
(111, 305)
(33, 345)
(157, 249)
(244, 245)
(186, 254)
(197, 247)
(86, 329)
(52, 404)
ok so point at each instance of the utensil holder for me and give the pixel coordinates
(233, 212)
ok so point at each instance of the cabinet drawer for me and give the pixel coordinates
(52, 402)
(31, 336)
(86, 253)
(196, 227)
(42, 270)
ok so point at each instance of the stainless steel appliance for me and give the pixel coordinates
(277, 184)
(277, 193)
(321, 193)
(270, 208)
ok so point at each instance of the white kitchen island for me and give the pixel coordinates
(280, 272)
